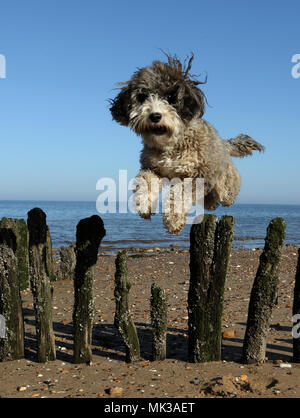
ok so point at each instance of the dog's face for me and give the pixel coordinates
(158, 102)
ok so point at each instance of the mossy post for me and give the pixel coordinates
(67, 263)
(19, 228)
(40, 275)
(264, 294)
(49, 257)
(296, 314)
(210, 248)
(123, 320)
(12, 324)
(159, 321)
(89, 234)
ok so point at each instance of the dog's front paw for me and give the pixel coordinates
(143, 205)
(145, 196)
(145, 215)
(174, 222)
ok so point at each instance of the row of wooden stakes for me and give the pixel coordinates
(210, 249)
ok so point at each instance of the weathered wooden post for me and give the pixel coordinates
(49, 258)
(89, 234)
(40, 271)
(123, 320)
(67, 263)
(264, 294)
(19, 228)
(159, 321)
(210, 247)
(296, 314)
(12, 324)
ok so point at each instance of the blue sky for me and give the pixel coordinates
(64, 58)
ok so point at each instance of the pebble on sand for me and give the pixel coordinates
(285, 365)
(230, 333)
(115, 391)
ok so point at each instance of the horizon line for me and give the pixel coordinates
(124, 201)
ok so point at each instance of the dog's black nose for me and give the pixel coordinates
(155, 117)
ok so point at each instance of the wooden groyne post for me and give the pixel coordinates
(264, 294)
(296, 313)
(123, 320)
(210, 248)
(159, 321)
(19, 228)
(89, 234)
(12, 324)
(41, 269)
(67, 263)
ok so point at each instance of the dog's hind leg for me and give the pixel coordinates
(147, 188)
(211, 200)
(227, 188)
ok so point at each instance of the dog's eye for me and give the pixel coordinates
(172, 97)
(141, 97)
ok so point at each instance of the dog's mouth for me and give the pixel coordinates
(157, 130)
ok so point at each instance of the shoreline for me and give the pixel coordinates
(130, 231)
(111, 248)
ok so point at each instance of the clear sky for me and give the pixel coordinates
(64, 58)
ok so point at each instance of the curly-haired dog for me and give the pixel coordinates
(164, 105)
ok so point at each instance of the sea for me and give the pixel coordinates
(128, 230)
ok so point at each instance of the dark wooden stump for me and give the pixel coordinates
(19, 228)
(296, 314)
(264, 294)
(123, 320)
(40, 274)
(159, 321)
(12, 333)
(210, 247)
(90, 232)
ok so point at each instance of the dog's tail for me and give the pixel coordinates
(242, 145)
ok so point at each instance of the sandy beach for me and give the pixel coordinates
(175, 377)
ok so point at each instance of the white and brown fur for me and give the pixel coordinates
(164, 105)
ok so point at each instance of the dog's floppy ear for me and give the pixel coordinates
(120, 108)
(194, 98)
(193, 103)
